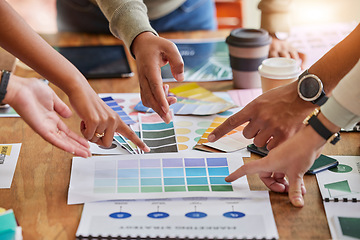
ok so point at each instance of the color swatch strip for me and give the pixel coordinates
(186, 106)
(156, 134)
(116, 107)
(232, 141)
(156, 175)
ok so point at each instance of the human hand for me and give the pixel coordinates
(99, 119)
(39, 107)
(151, 54)
(273, 117)
(282, 48)
(288, 160)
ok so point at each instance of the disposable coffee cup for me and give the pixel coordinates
(279, 71)
(247, 49)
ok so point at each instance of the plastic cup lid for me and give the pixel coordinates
(248, 37)
(279, 68)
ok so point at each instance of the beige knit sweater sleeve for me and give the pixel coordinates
(127, 18)
(275, 15)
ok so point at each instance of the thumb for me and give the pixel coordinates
(295, 191)
(61, 108)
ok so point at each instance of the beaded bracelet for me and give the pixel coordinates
(3, 84)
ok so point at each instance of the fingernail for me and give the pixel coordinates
(298, 202)
(180, 76)
(164, 109)
(211, 137)
(147, 149)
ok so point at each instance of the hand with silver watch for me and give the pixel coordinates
(311, 89)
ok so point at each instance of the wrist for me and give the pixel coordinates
(144, 36)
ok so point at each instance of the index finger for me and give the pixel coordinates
(131, 135)
(230, 123)
(176, 62)
(248, 168)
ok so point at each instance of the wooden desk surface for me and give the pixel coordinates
(38, 194)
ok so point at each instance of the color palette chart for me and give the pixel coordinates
(156, 134)
(115, 106)
(230, 142)
(194, 91)
(154, 176)
(187, 106)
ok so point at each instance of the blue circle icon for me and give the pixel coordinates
(234, 214)
(120, 215)
(158, 215)
(196, 215)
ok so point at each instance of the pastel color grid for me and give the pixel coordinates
(160, 174)
(115, 106)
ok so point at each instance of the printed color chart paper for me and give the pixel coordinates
(167, 175)
(211, 218)
(115, 106)
(193, 90)
(156, 134)
(230, 142)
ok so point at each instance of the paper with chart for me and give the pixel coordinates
(230, 142)
(343, 219)
(244, 218)
(194, 91)
(118, 109)
(156, 134)
(341, 182)
(149, 176)
(9, 154)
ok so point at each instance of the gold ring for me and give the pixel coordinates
(99, 135)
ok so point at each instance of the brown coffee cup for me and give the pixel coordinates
(247, 49)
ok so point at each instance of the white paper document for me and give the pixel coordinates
(152, 176)
(343, 219)
(341, 183)
(240, 218)
(9, 154)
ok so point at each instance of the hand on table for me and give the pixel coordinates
(151, 54)
(273, 117)
(39, 107)
(291, 159)
(282, 48)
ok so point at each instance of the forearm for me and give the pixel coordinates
(20, 40)
(127, 18)
(275, 15)
(336, 63)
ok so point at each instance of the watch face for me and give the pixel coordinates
(310, 88)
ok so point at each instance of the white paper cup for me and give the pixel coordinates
(279, 71)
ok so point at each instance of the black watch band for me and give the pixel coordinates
(317, 125)
(3, 84)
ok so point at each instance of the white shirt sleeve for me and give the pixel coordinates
(343, 107)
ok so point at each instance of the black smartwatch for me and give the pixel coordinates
(311, 89)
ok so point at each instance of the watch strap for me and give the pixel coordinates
(325, 133)
(321, 99)
(3, 84)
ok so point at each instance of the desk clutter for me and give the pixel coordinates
(171, 191)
